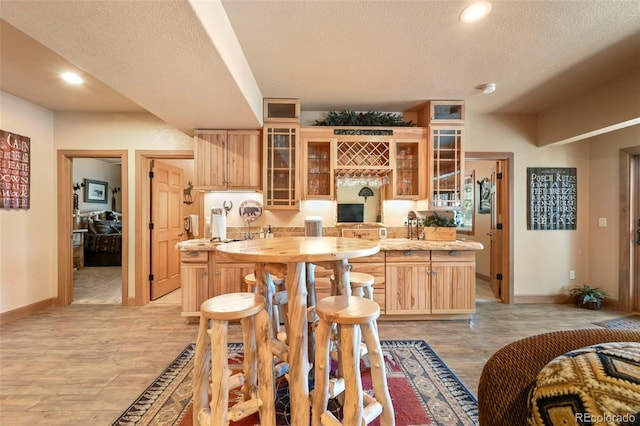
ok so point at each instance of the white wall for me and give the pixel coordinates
(131, 132)
(28, 262)
(97, 169)
(604, 201)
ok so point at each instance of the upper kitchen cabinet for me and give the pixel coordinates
(409, 162)
(227, 159)
(441, 112)
(445, 160)
(281, 111)
(281, 179)
(318, 176)
(446, 167)
(281, 146)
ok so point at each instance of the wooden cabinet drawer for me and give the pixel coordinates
(408, 255)
(453, 256)
(194, 256)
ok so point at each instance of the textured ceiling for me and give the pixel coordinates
(182, 62)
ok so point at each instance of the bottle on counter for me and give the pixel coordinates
(261, 233)
(269, 232)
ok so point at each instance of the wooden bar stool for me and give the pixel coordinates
(354, 315)
(211, 406)
(276, 298)
(361, 284)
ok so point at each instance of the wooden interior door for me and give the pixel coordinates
(166, 229)
(498, 213)
(635, 215)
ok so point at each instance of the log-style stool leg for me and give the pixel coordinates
(353, 315)
(257, 377)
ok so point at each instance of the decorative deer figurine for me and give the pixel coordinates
(186, 193)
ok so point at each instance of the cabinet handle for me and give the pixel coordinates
(194, 253)
(408, 253)
(453, 253)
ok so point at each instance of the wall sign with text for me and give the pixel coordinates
(15, 172)
(552, 198)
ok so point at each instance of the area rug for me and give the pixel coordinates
(629, 322)
(423, 389)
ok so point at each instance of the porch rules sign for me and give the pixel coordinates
(552, 201)
(15, 172)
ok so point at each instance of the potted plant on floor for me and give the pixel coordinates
(588, 297)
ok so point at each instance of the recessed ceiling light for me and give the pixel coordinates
(475, 12)
(71, 78)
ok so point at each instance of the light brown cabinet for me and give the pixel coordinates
(194, 281)
(423, 282)
(227, 159)
(453, 282)
(318, 176)
(281, 146)
(407, 283)
(446, 166)
(409, 162)
(228, 277)
(202, 277)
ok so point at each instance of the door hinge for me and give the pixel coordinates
(151, 175)
(499, 175)
(498, 226)
(151, 226)
(499, 277)
(150, 277)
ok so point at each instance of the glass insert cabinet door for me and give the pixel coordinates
(407, 178)
(280, 181)
(446, 166)
(319, 174)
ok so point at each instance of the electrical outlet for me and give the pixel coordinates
(572, 275)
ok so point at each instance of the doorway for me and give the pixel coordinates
(97, 231)
(143, 266)
(629, 235)
(498, 247)
(65, 221)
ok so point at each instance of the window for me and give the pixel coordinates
(466, 216)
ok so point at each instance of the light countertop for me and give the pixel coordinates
(204, 244)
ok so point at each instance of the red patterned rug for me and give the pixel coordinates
(423, 389)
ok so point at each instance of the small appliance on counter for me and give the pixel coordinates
(218, 224)
(313, 226)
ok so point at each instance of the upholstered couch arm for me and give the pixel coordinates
(509, 375)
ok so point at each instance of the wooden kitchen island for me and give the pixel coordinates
(414, 279)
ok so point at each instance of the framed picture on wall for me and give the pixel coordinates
(95, 191)
(484, 196)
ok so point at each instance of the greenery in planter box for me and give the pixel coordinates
(370, 118)
(587, 297)
(439, 221)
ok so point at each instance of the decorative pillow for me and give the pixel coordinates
(597, 384)
(103, 228)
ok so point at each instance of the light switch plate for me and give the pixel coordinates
(602, 222)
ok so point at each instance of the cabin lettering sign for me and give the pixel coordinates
(15, 173)
(552, 201)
